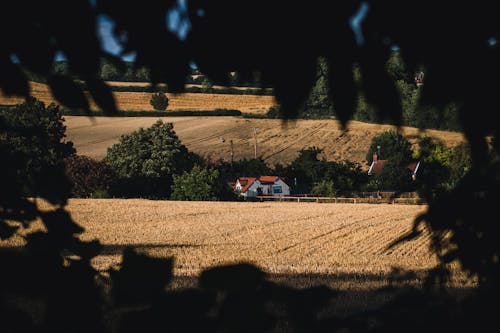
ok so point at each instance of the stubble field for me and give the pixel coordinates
(343, 245)
(139, 101)
(277, 142)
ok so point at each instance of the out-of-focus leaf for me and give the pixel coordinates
(67, 92)
(379, 88)
(87, 250)
(102, 95)
(140, 278)
(232, 278)
(342, 88)
(7, 230)
(12, 79)
(59, 222)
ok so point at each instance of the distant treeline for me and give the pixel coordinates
(317, 106)
(133, 113)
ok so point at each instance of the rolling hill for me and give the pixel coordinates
(277, 141)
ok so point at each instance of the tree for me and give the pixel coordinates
(33, 135)
(395, 176)
(389, 144)
(198, 184)
(206, 84)
(324, 188)
(306, 169)
(145, 161)
(88, 177)
(109, 72)
(159, 101)
(347, 176)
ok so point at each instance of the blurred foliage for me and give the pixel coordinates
(450, 40)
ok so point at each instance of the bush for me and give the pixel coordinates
(199, 184)
(88, 177)
(324, 188)
(159, 101)
(145, 160)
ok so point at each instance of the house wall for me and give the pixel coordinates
(278, 188)
(252, 190)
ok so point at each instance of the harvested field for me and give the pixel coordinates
(277, 142)
(308, 240)
(139, 101)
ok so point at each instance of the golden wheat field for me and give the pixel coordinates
(139, 101)
(284, 239)
(277, 142)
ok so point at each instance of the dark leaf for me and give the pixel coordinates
(234, 278)
(342, 88)
(7, 230)
(59, 222)
(378, 86)
(12, 79)
(66, 91)
(141, 278)
(86, 250)
(102, 95)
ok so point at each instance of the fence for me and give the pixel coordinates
(370, 200)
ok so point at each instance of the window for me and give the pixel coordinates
(277, 190)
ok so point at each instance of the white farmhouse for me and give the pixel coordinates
(264, 185)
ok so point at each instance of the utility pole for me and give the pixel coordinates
(232, 151)
(255, 129)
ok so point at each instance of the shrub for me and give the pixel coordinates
(199, 184)
(324, 188)
(88, 177)
(159, 101)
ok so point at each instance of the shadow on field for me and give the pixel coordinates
(116, 249)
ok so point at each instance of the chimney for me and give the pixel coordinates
(376, 154)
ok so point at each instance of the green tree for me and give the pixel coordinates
(88, 177)
(319, 103)
(198, 184)
(395, 176)
(34, 137)
(109, 72)
(159, 101)
(460, 164)
(324, 188)
(206, 84)
(347, 176)
(146, 160)
(305, 170)
(389, 144)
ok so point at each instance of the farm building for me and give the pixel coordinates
(263, 185)
(377, 166)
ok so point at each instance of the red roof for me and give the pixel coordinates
(245, 183)
(268, 179)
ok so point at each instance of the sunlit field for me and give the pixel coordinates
(344, 245)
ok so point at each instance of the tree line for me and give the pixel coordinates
(153, 163)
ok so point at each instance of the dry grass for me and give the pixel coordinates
(139, 101)
(285, 239)
(278, 142)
